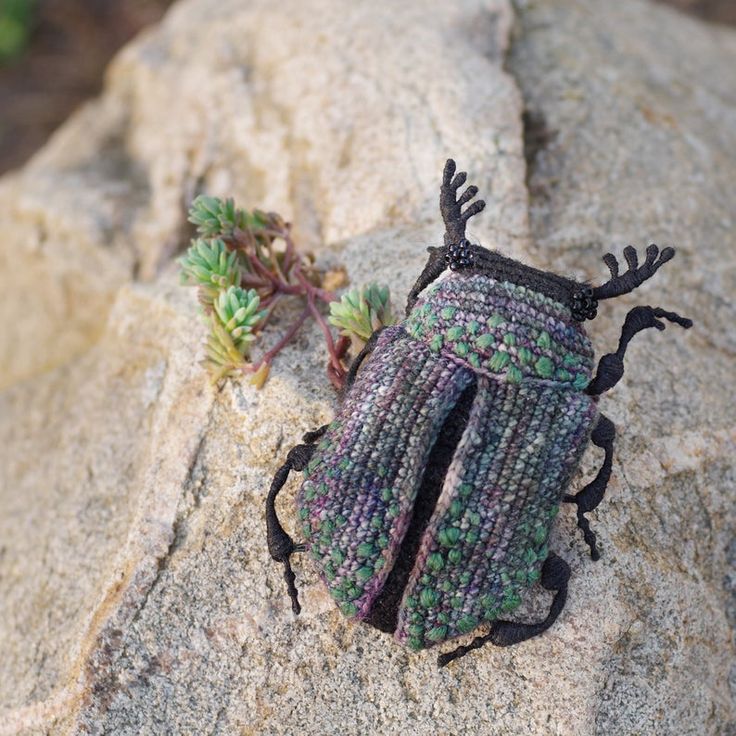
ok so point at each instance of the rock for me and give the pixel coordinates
(137, 596)
(630, 139)
(279, 106)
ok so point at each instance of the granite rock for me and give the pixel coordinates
(136, 593)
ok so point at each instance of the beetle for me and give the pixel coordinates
(428, 501)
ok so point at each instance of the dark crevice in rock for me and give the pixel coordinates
(196, 481)
(538, 134)
(178, 531)
(537, 137)
(103, 670)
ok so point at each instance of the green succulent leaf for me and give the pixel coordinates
(211, 266)
(237, 312)
(233, 322)
(361, 311)
(215, 217)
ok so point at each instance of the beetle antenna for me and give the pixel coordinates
(636, 275)
(451, 205)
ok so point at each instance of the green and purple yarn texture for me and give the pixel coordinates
(528, 425)
(361, 483)
(503, 329)
(487, 538)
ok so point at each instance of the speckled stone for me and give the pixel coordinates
(136, 592)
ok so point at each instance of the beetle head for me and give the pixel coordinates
(581, 298)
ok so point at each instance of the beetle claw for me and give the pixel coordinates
(291, 587)
(555, 576)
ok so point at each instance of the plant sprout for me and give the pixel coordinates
(360, 312)
(244, 264)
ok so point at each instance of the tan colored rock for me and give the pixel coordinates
(335, 117)
(632, 140)
(136, 593)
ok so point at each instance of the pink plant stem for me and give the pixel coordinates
(262, 270)
(277, 267)
(309, 289)
(326, 332)
(290, 254)
(285, 288)
(276, 284)
(270, 304)
(271, 354)
(279, 280)
(325, 296)
(250, 282)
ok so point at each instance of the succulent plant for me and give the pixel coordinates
(243, 264)
(361, 311)
(211, 266)
(214, 217)
(234, 318)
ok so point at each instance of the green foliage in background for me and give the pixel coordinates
(16, 21)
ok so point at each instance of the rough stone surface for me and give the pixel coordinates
(630, 138)
(136, 594)
(338, 118)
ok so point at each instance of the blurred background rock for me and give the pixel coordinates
(53, 54)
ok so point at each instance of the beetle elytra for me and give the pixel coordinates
(428, 501)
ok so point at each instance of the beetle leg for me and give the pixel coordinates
(314, 435)
(360, 357)
(555, 576)
(591, 495)
(432, 271)
(611, 366)
(280, 545)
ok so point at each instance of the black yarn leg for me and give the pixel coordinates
(280, 545)
(314, 435)
(611, 366)
(592, 494)
(360, 357)
(434, 268)
(555, 576)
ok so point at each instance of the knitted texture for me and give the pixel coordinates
(503, 329)
(528, 425)
(356, 502)
(487, 537)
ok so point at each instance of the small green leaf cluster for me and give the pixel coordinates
(216, 217)
(234, 318)
(242, 264)
(209, 265)
(217, 270)
(361, 311)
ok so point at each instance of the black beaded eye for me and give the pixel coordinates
(584, 305)
(459, 255)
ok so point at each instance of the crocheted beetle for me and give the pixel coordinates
(428, 501)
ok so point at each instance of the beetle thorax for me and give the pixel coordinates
(503, 329)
